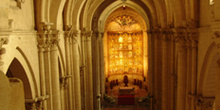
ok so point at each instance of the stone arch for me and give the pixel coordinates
(97, 22)
(210, 78)
(16, 70)
(75, 14)
(128, 12)
(56, 9)
(209, 60)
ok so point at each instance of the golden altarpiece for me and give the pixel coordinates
(124, 44)
(125, 53)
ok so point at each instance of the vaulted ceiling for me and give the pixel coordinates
(92, 14)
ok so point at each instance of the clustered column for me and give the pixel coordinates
(76, 60)
(186, 42)
(88, 74)
(96, 69)
(151, 67)
(102, 73)
(181, 69)
(73, 60)
(173, 77)
(158, 68)
(166, 36)
(48, 54)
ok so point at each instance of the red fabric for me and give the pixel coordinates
(126, 100)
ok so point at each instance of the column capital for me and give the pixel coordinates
(47, 37)
(86, 33)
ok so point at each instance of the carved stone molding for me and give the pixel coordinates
(3, 41)
(205, 102)
(47, 37)
(82, 69)
(186, 37)
(86, 34)
(63, 81)
(67, 29)
(19, 3)
(96, 34)
(179, 32)
(34, 104)
(166, 37)
(75, 33)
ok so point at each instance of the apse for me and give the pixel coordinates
(126, 48)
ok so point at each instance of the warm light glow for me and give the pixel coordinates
(211, 2)
(126, 54)
(120, 39)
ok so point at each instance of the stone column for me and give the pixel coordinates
(151, 67)
(157, 68)
(96, 68)
(88, 73)
(102, 65)
(83, 72)
(172, 81)
(63, 88)
(42, 74)
(194, 72)
(181, 69)
(76, 60)
(55, 73)
(44, 44)
(68, 65)
(165, 70)
(188, 75)
(217, 91)
(47, 67)
(89, 70)
(71, 84)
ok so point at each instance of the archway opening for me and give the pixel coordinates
(125, 53)
(16, 70)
